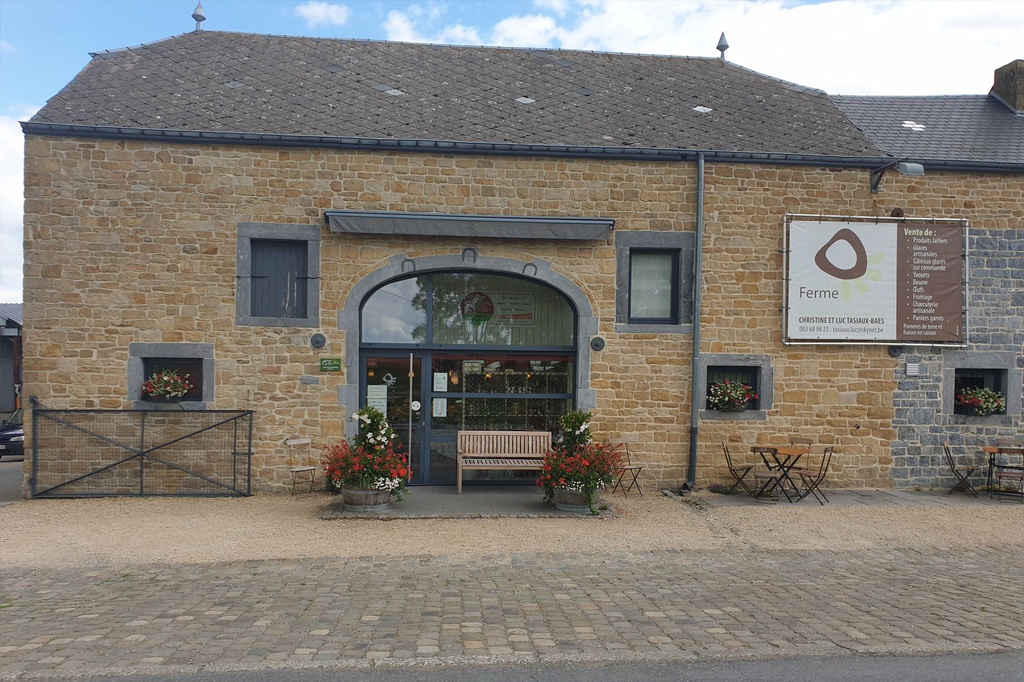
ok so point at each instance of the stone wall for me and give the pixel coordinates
(133, 242)
(856, 397)
(924, 417)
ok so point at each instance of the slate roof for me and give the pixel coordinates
(245, 83)
(10, 312)
(961, 128)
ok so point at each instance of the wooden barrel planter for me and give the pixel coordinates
(365, 499)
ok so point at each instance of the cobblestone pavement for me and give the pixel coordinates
(627, 606)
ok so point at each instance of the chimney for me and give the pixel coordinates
(1009, 85)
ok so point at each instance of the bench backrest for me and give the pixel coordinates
(520, 443)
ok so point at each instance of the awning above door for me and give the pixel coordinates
(468, 226)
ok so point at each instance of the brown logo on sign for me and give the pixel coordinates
(859, 267)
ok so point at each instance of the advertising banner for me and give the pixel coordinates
(875, 282)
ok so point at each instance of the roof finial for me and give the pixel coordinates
(723, 45)
(200, 16)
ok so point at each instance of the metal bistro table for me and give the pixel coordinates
(784, 459)
(1005, 461)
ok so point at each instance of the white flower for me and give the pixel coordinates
(391, 484)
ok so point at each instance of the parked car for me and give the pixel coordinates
(12, 435)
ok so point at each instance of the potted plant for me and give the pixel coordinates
(981, 401)
(167, 384)
(576, 469)
(730, 396)
(370, 470)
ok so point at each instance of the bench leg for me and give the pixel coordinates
(458, 480)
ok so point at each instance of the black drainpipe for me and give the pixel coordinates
(691, 469)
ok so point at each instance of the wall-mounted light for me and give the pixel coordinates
(902, 166)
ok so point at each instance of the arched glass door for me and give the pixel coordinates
(486, 351)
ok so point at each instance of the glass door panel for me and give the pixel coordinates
(442, 399)
(494, 392)
(391, 389)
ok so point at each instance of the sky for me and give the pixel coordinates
(844, 47)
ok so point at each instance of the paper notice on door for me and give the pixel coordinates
(377, 396)
(440, 406)
(440, 381)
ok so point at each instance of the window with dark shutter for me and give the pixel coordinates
(279, 278)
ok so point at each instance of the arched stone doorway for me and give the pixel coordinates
(444, 343)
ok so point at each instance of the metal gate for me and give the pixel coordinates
(103, 453)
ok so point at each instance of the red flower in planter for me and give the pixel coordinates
(371, 460)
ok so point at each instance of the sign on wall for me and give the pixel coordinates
(879, 281)
(330, 364)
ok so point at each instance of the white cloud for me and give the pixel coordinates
(890, 48)
(535, 30)
(849, 47)
(400, 26)
(405, 27)
(316, 13)
(433, 11)
(6, 46)
(12, 204)
(460, 35)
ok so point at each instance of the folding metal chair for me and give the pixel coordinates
(766, 487)
(304, 466)
(803, 442)
(628, 474)
(739, 473)
(812, 481)
(961, 474)
(768, 482)
(1009, 471)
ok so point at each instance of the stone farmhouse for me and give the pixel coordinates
(487, 238)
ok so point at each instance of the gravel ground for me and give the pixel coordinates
(115, 531)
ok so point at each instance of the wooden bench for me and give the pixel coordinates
(510, 450)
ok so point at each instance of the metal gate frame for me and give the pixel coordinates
(203, 423)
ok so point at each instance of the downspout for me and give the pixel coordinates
(698, 258)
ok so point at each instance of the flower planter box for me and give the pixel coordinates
(572, 501)
(365, 499)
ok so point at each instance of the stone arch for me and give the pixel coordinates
(468, 260)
